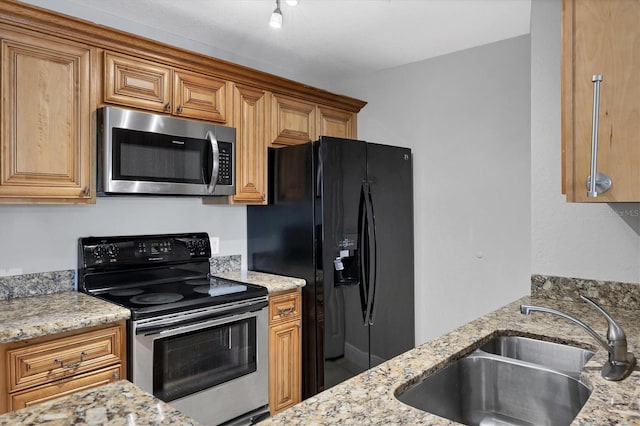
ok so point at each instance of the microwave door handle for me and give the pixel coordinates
(216, 161)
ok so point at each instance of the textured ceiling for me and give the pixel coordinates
(320, 40)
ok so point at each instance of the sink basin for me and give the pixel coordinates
(484, 389)
(564, 358)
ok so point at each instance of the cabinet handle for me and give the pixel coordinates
(85, 191)
(73, 364)
(179, 111)
(116, 375)
(602, 182)
(286, 311)
(167, 107)
(298, 324)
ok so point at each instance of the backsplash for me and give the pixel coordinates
(607, 293)
(221, 264)
(26, 285)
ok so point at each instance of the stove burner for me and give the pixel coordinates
(198, 281)
(126, 292)
(156, 298)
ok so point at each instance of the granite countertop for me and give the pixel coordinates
(369, 397)
(273, 283)
(118, 403)
(29, 317)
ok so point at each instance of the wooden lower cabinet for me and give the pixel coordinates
(63, 387)
(285, 350)
(48, 367)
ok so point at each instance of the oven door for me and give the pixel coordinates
(210, 369)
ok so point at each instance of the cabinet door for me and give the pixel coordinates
(284, 365)
(199, 96)
(64, 387)
(602, 37)
(46, 145)
(137, 83)
(336, 123)
(252, 130)
(293, 121)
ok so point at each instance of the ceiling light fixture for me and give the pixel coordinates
(292, 2)
(276, 16)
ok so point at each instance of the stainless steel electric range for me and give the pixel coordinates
(196, 342)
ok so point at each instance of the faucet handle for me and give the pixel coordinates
(614, 331)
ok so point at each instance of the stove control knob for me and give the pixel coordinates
(113, 250)
(97, 252)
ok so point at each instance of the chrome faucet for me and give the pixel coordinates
(621, 362)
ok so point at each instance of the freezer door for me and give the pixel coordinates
(341, 175)
(389, 172)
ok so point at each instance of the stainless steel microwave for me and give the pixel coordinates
(144, 153)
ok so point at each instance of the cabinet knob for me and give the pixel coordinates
(85, 191)
(179, 110)
(116, 375)
(298, 324)
(167, 107)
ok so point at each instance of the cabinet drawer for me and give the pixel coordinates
(284, 307)
(63, 387)
(40, 363)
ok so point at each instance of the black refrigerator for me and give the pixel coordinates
(340, 216)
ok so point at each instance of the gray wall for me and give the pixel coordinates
(596, 241)
(466, 118)
(44, 238)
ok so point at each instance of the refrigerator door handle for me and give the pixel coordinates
(371, 254)
(362, 250)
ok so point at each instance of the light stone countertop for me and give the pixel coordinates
(118, 404)
(30, 317)
(368, 399)
(273, 283)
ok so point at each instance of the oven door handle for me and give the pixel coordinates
(193, 324)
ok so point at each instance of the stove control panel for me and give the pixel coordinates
(142, 250)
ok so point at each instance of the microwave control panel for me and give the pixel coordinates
(225, 172)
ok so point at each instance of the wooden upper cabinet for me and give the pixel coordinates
(144, 84)
(199, 96)
(47, 133)
(337, 123)
(137, 83)
(293, 121)
(601, 37)
(250, 118)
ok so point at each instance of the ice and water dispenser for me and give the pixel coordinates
(346, 268)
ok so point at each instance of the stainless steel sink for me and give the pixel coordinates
(564, 358)
(485, 389)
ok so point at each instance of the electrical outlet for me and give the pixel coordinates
(215, 245)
